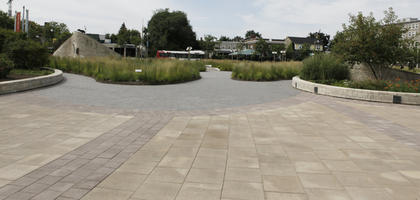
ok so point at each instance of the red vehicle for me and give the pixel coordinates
(182, 55)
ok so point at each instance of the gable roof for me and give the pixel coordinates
(302, 40)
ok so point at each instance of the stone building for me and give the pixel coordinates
(413, 29)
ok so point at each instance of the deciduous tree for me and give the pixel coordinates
(377, 44)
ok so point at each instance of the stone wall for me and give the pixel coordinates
(357, 94)
(31, 83)
(361, 72)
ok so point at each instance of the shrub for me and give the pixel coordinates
(27, 54)
(324, 67)
(154, 71)
(5, 65)
(265, 71)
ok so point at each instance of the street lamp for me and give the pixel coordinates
(274, 55)
(189, 52)
(283, 54)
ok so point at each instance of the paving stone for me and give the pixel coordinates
(320, 181)
(242, 190)
(204, 191)
(282, 184)
(157, 191)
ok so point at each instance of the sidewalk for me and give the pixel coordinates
(305, 151)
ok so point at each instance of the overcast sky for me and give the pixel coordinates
(272, 18)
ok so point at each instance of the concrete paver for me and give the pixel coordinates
(269, 155)
(305, 147)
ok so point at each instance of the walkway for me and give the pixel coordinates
(294, 146)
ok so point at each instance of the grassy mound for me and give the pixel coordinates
(153, 71)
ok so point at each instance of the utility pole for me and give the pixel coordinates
(23, 20)
(10, 8)
(27, 22)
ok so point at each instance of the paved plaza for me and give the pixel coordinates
(86, 140)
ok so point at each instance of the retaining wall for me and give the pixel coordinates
(357, 94)
(31, 83)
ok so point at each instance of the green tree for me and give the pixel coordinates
(262, 49)
(134, 37)
(123, 35)
(27, 54)
(323, 38)
(377, 44)
(224, 38)
(252, 35)
(278, 47)
(208, 43)
(55, 34)
(170, 31)
(238, 39)
(5, 21)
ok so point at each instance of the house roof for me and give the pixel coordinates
(302, 40)
(245, 52)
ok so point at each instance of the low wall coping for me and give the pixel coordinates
(20, 85)
(357, 94)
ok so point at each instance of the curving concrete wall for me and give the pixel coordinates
(31, 83)
(357, 94)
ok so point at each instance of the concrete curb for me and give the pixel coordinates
(357, 94)
(31, 83)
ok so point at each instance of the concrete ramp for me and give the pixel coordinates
(81, 45)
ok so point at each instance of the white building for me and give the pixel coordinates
(413, 29)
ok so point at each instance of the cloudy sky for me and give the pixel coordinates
(272, 18)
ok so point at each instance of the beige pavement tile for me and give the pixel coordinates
(148, 155)
(277, 168)
(182, 152)
(205, 162)
(202, 191)
(306, 156)
(243, 162)
(157, 191)
(176, 162)
(321, 181)
(310, 167)
(322, 194)
(15, 171)
(236, 152)
(403, 192)
(288, 184)
(38, 159)
(401, 164)
(355, 179)
(242, 190)
(209, 152)
(107, 194)
(171, 175)
(284, 196)
(368, 193)
(123, 181)
(361, 139)
(358, 154)
(205, 176)
(411, 174)
(145, 167)
(331, 155)
(3, 182)
(344, 166)
(375, 165)
(243, 174)
(390, 178)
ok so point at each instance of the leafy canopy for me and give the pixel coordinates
(379, 44)
(170, 31)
